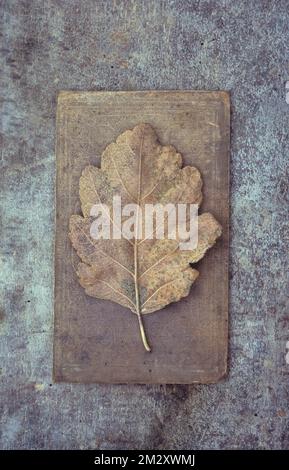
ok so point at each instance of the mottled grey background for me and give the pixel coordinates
(241, 46)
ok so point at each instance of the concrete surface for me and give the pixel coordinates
(132, 45)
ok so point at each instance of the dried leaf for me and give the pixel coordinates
(143, 275)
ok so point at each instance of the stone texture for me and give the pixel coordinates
(131, 45)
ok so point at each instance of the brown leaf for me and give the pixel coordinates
(144, 274)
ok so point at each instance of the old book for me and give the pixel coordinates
(97, 341)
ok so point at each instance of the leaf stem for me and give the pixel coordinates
(138, 307)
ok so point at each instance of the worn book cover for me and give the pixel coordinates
(97, 340)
